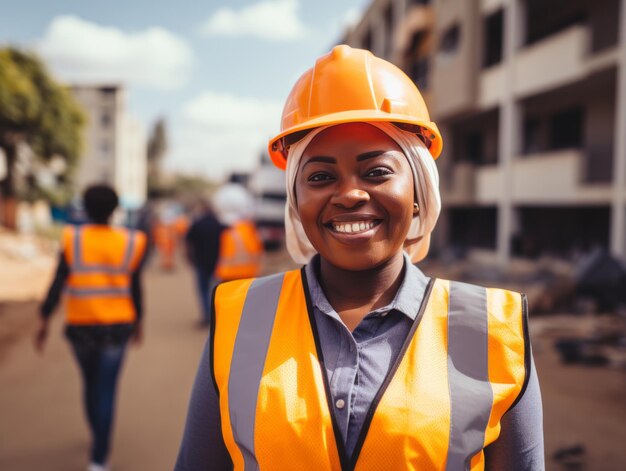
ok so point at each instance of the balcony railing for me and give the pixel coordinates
(553, 177)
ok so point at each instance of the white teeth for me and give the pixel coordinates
(354, 227)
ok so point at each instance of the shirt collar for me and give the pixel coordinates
(407, 300)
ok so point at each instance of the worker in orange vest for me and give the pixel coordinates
(166, 239)
(241, 250)
(358, 360)
(241, 247)
(100, 268)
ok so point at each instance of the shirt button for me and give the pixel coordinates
(340, 403)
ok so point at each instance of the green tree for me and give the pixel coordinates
(157, 148)
(36, 110)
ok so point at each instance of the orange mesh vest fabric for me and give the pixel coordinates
(240, 252)
(416, 423)
(101, 261)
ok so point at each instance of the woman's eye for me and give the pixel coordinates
(319, 177)
(378, 172)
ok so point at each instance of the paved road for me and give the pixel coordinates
(41, 419)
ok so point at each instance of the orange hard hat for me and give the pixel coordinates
(352, 85)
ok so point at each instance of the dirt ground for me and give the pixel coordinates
(42, 424)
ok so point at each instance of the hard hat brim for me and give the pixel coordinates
(278, 152)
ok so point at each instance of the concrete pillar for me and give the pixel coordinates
(618, 207)
(442, 237)
(377, 27)
(509, 134)
(399, 14)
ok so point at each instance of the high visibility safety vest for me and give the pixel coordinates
(101, 261)
(240, 252)
(464, 363)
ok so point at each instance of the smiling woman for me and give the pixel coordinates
(359, 360)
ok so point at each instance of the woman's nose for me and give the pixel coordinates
(348, 196)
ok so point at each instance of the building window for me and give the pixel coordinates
(545, 18)
(561, 231)
(105, 148)
(367, 40)
(474, 147)
(105, 119)
(418, 72)
(566, 129)
(473, 228)
(493, 29)
(107, 92)
(532, 135)
(449, 43)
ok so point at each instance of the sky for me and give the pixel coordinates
(217, 71)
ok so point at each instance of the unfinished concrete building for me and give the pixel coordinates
(530, 96)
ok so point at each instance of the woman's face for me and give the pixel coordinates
(354, 191)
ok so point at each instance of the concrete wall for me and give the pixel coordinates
(535, 68)
(455, 74)
(551, 178)
(101, 136)
(131, 175)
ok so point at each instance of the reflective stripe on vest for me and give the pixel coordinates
(77, 265)
(468, 374)
(274, 397)
(253, 338)
(91, 292)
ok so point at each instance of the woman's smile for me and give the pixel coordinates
(353, 223)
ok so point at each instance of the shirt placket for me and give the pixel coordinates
(343, 382)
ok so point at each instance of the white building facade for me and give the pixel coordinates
(115, 145)
(530, 96)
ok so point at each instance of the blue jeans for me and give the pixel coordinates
(100, 367)
(205, 285)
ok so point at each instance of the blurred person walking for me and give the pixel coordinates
(166, 238)
(100, 269)
(202, 243)
(145, 223)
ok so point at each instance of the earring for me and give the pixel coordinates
(416, 208)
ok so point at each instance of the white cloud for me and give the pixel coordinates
(78, 50)
(275, 20)
(220, 132)
(351, 18)
(218, 110)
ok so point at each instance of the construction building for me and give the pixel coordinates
(530, 96)
(114, 145)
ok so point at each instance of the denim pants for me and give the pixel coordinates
(100, 367)
(205, 284)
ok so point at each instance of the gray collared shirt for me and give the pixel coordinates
(356, 365)
(357, 362)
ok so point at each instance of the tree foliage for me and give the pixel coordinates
(36, 110)
(157, 144)
(157, 148)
